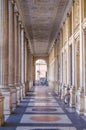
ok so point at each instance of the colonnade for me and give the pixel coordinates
(66, 61)
(15, 57)
(67, 65)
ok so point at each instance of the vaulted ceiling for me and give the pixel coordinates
(42, 20)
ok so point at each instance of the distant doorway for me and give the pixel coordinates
(41, 72)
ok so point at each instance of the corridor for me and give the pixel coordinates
(42, 42)
(42, 109)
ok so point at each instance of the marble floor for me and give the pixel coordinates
(42, 109)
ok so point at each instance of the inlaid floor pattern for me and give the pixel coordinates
(42, 109)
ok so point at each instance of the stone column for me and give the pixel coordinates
(19, 48)
(1, 110)
(47, 71)
(84, 68)
(67, 26)
(11, 54)
(80, 93)
(34, 70)
(29, 67)
(27, 89)
(26, 64)
(16, 49)
(23, 59)
(19, 56)
(31, 70)
(72, 91)
(55, 73)
(67, 64)
(4, 56)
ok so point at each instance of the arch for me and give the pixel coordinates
(40, 71)
(45, 58)
(35, 58)
(39, 61)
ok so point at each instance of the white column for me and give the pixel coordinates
(16, 48)
(72, 100)
(11, 54)
(4, 56)
(22, 56)
(80, 96)
(23, 59)
(81, 48)
(19, 59)
(84, 67)
(19, 48)
(16, 61)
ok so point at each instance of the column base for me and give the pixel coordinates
(57, 88)
(21, 91)
(1, 110)
(7, 100)
(26, 87)
(63, 92)
(85, 106)
(30, 84)
(80, 101)
(24, 90)
(72, 97)
(18, 94)
(14, 97)
(55, 85)
(51, 84)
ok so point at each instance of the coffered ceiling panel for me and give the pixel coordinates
(42, 19)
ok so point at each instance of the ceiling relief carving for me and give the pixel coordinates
(42, 19)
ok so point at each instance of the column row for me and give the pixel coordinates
(13, 58)
(71, 57)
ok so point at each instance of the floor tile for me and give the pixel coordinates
(42, 109)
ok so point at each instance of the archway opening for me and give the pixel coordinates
(41, 72)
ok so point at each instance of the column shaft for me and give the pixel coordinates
(23, 61)
(16, 61)
(4, 43)
(16, 48)
(19, 51)
(11, 67)
(11, 44)
(4, 56)
(22, 57)
(26, 66)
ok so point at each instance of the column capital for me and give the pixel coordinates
(12, 1)
(22, 27)
(16, 10)
(19, 20)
